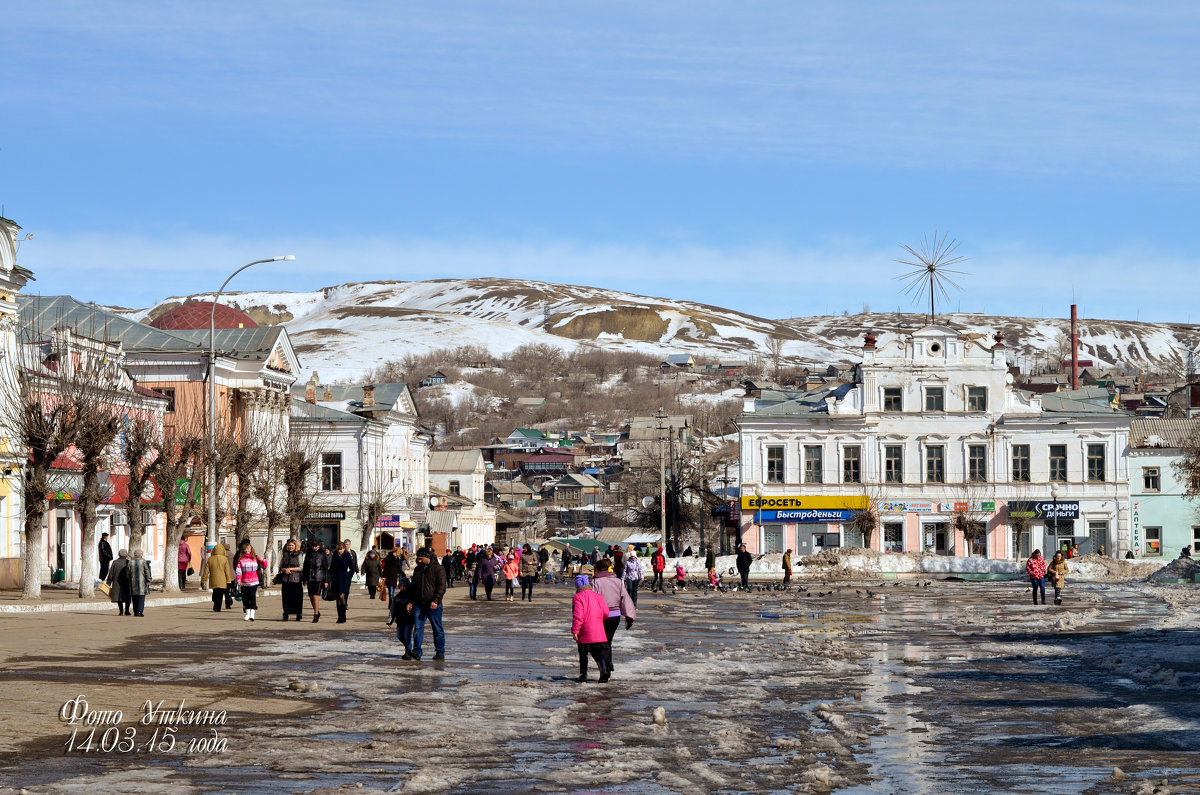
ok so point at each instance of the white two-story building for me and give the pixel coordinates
(934, 435)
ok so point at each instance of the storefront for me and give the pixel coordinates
(805, 525)
(394, 531)
(1054, 525)
(325, 526)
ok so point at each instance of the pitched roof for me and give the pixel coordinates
(453, 461)
(303, 410)
(528, 433)
(1089, 400)
(1155, 432)
(351, 395)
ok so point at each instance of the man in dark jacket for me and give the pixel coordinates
(106, 555)
(315, 572)
(428, 589)
(743, 565)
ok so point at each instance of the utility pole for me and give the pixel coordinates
(660, 417)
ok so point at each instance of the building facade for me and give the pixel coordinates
(1163, 519)
(952, 458)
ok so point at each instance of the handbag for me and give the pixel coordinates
(104, 589)
(190, 571)
(277, 579)
(329, 594)
(382, 592)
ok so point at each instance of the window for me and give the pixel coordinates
(935, 464)
(331, 471)
(892, 400)
(1058, 463)
(935, 398)
(812, 464)
(169, 394)
(455, 488)
(852, 464)
(772, 539)
(775, 464)
(1151, 479)
(893, 463)
(1196, 539)
(977, 398)
(977, 463)
(1095, 463)
(893, 537)
(1153, 541)
(1020, 463)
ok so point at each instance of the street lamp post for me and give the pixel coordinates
(660, 416)
(212, 396)
(758, 495)
(1054, 512)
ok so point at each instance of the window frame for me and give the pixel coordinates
(848, 460)
(977, 395)
(935, 395)
(169, 393)
(893, 468)
(331, 471)
(1053, 459)
(1021, 464)
(1146, 553)
(814, 474)
(939, 460)
(1094, 475)
(1147, 474)
(897, 527)
(977, 463)
(893, 394)
(775, 462)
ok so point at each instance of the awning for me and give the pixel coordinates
(409, 525)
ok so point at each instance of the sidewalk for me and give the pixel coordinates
(56, 599)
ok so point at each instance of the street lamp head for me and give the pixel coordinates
(284, 258)
(758, 491)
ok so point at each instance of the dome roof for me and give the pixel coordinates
(195, 315)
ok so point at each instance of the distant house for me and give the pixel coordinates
(527, 439)
(436, 379)
(679, 361)
(531, 402)
(512, 493)
(574, 491)
(547, 463)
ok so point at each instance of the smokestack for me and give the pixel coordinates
(369, 396)
(1074, 348)
(310, 389)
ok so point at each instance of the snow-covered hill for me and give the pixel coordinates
(347, 330)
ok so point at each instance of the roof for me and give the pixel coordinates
(303, 410)
(679, 358)
(528, 433)
(454, 460)
(350, 396)
(43, 313)
(453, 500)
(1089, 400)
(787, 402)
(198, 314)
(510, 487)
(241, 343)
(1156, 432)
(576, 479)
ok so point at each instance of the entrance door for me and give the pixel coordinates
(326, 533)
(772, 539)
(938, 538)
(61, 539)
(1097, 537)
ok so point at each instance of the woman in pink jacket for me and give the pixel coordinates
(588, 612)
(511, 571)
(246, 573)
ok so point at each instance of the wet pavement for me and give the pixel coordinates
(860, 687)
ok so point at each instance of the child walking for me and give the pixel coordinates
(588, 612)
(402, 614)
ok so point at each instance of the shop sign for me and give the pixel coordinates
(1135, 520)
(325, 515)
(822, 503)
(807, 515)
(735, 512)
(965, 507)
(390, 520)
(1045, 509)
(907, 507)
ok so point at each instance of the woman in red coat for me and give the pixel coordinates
(588, 611)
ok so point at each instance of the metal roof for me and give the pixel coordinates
(454, 460)
(1170, 433)
(41, 314)
(386, 394)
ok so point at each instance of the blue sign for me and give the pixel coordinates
(806, 515)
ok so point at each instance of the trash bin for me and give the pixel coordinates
(58, 576)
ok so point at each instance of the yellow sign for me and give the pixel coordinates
(806, 502)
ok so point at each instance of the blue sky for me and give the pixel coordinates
(766, 156)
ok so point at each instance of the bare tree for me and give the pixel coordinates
(98, 411)
(141, 444)
(775, 350)
(380, 494)
(175, 473)
(267, 480)
(298, 469)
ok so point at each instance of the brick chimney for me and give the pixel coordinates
(310, 389)
(369, 396)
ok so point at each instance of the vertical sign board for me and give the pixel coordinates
(1135, 521)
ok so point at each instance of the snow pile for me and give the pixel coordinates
(1184, 569)
(841, 562)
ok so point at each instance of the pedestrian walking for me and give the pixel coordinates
(248, 575)
(342, 567)
(315, 575)
(183, 559)
(632, 574)
(216, 573)
(619, 603)
(372, 571)
(511, 571)
(1036, 568)
(588, 611)
(428, 590)
(658, 565)
(291, 589)
(743, 565)
(139, 581)
(391, 572)
(401, 614)
(1057, 571)
(710, 563)
(531, 563)
(448, 565)
(118, 583)
(104, 550)
(787, 567)
(618, 561)
(680, 577)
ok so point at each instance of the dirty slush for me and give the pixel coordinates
(853, 686)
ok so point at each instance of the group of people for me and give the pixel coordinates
(516, 565)
(599, 605)
(1039, 571)
(128, 580)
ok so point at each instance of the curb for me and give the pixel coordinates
(95, 607)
